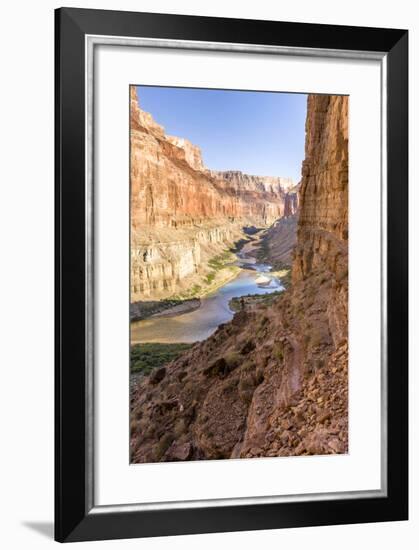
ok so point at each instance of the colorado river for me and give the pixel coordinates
(201, 323)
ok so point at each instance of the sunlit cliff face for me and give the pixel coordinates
(181, 212)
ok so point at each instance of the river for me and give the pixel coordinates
(201, 323)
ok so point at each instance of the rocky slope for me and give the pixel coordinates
(273, 381)
(182, 214)
(278, 243)
(279, 240)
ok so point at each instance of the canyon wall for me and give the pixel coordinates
(322, 239)
(165, 264)
(279, 242)
(263, 197)
(168, 185)
(273, 381)
(240, 182)
(182, 214)
(291, 204)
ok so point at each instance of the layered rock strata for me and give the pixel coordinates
(240, 182)
(164, 264)
(273, 381)
(290, 204)
(182, 214)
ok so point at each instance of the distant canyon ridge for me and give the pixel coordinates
(183, 214)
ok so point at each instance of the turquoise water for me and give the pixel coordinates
(201, 323)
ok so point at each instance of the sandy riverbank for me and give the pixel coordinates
(183, 307)
(140, 311)
(223, 277)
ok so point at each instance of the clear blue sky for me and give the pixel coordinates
(259, 133)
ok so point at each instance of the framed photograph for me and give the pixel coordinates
(231, 274)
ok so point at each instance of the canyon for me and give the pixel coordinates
(274, 380)
(183, 214)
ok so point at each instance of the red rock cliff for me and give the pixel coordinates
(181, 212)
(273, 381)
(290, 204)
(322, 239)
(170, 186)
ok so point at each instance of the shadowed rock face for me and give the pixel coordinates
(182, 213)
(290, 204)
(273, 381)
(279, 241)
(322, 239)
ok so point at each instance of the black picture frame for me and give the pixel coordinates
(74, 518)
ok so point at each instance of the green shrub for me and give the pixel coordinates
(278, 352)
(248, 366)
(195, 290)
(145, 357)
(232, 360)
(210, 277)
(218, 262)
